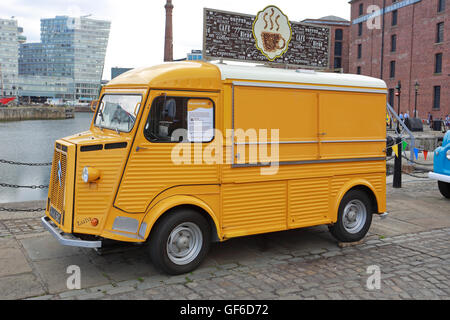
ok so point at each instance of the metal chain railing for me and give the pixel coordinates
(7, 185)
(25, 163)
(390, 158)
(415, 176)
(16, 186)
(21, 210)
(416, 162)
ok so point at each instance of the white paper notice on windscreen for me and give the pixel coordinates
(200, 120)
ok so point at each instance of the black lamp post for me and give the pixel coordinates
(416, 87)
(397, 183)
(399, 91)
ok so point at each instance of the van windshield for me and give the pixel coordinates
(118, 112)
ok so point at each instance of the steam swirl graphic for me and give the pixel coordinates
(272, 32)
(271, 20)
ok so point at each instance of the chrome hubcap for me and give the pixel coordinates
(184, 243)
(354, 216)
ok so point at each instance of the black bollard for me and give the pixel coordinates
(398, 165)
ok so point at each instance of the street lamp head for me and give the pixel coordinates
(417, 85)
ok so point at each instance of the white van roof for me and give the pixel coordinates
(257, 73)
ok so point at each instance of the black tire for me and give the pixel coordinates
(444, 188)
(194, 224)
(357, 200)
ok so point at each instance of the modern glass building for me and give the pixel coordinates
(115, 72)
(195, 55)
(71, 55)
(10, 36)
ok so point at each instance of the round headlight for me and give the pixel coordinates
(85, 174)
(90, 174)
(448, 154)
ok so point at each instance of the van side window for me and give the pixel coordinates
(180, 119)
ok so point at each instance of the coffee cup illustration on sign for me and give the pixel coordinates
(272, 32)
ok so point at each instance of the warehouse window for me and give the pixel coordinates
(438, 63)
(359, 51)
(337, 62)
(436, 97)
(441, 5)
(393, 43)
(360, 29)
(392, 70)
(394, 17)
(338, 48)
(339, 34)
(440, 32)
(391, 97)
(358, 70)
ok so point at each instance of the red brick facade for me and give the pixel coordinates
(414, 54)
(336, 62)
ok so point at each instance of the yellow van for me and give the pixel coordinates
(182, 154)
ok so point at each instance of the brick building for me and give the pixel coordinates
(340, 40)
(408, 41)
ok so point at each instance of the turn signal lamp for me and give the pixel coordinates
(94, 222)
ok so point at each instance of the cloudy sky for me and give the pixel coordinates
(137, 30)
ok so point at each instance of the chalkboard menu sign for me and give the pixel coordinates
(230, 36)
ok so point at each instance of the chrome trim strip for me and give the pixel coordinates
(68, 239)
(306, 87)
(269, 142)
(285, 163)
(439, 177)
(349, 141)
(306, 142)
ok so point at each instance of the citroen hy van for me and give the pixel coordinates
(183, 154)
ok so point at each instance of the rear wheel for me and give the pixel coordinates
(180, 241)
(444, 188)
(354, 217)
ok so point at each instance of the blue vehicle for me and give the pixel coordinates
(441, 171)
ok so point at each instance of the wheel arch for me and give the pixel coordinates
(359, 184)
(173, 203)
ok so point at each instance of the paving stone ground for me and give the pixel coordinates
(20, 226)
(412, 266)
(410, 249)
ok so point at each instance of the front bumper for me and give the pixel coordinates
(383, 215)
(439, 177)
(68, 239)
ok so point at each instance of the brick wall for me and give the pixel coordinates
(414, 57)
(334, 25)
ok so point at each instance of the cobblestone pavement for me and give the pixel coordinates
(20, 226)
(411, 249)
(413, 266)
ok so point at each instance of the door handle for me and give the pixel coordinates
(140, 148)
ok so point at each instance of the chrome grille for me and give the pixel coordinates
(58, 182)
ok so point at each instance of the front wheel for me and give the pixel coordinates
(180, 241)
(444, 188)
(354, 217)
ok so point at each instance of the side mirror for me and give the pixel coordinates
(136, 109)
(94, 105)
